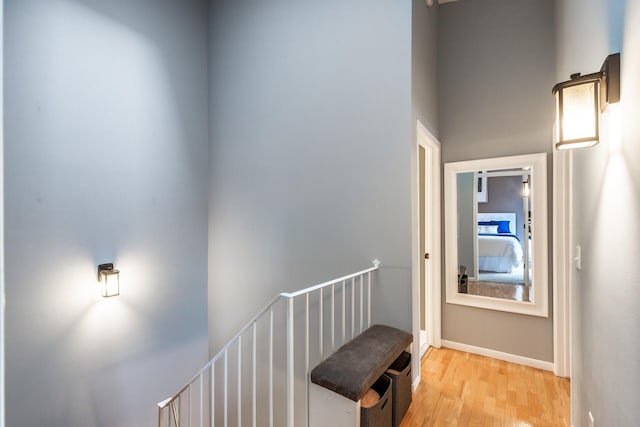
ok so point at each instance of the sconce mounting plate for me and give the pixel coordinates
(610, 86)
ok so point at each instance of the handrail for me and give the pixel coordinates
(290, 296)
(376, 265)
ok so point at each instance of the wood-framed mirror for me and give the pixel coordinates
(496, 248)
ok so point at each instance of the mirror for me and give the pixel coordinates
(496, 249)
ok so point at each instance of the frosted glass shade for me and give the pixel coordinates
(577, 114)
(579, 102)
(109, 280)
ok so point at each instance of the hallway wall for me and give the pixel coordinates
(105, 160)
(606, 299)
(424, 102)
(496, 71)
(424, 64)
(310, 153)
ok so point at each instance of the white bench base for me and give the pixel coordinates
(327, 408)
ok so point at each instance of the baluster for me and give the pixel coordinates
(344, 320)
(239, 405)
(189, 405)
(271, 367)
(225, 390)
(306, 333)
(290, 366)
(333, 317)
(255, 357)
(368, 299)
(176, 413)
(201, 400)
(361, 301)
(321, 326)
(212, 409)
(353, 307)
(306, 349)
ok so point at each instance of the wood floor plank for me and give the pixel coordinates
(463, 389)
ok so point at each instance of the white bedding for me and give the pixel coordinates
(500, 254)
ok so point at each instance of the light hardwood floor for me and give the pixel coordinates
(516, 292)
(462, 389)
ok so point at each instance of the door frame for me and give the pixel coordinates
(562, 260)
(424, 138)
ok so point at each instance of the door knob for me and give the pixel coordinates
(426, 256)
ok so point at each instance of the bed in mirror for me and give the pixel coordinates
(496, 234)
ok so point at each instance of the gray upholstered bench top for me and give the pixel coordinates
(355, 366)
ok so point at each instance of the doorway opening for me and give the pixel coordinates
(428, 235)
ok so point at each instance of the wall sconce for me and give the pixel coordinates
(525, 187)
(579, 102)
(109, 279)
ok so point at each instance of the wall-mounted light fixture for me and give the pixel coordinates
(525, 186)
(109, 279)
(579, 102)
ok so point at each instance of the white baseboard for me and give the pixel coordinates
(415, 384)
(423, 349)
(507, 357)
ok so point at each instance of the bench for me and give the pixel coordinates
(340, 381)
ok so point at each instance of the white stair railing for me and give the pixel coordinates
(245, 382)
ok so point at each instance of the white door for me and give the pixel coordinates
(424, 156)
(429, 230)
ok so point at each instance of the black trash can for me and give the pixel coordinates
(463, 282)
(380, 414)
(400, 374)
(463, 279)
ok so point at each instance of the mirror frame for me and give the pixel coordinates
(537, 164)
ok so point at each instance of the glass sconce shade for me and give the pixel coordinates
(109, 279)
(579, 102)
(577, 113)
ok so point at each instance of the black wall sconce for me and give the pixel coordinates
(109, 279)
(580, 101)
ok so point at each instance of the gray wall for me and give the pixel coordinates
(424, 64)
(105, 160)
(505, 195)
(606, 298)
(310, 152)
(424, 99)
(466, 185)
(496, 68)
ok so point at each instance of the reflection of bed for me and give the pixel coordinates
(501, 251)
